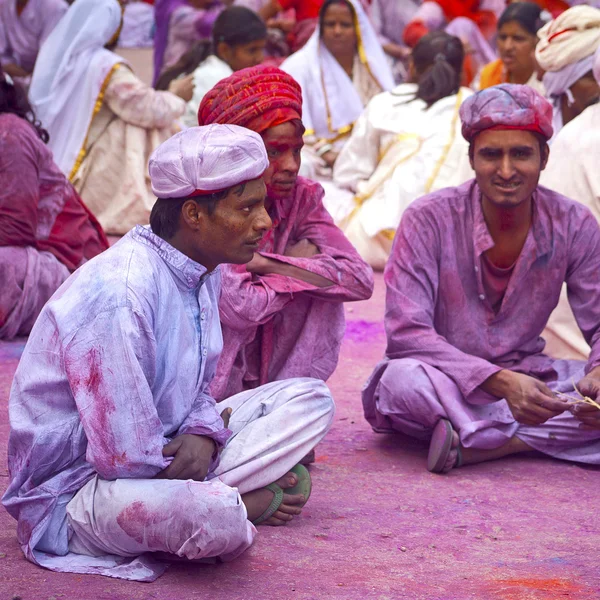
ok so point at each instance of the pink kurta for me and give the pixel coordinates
(22, 35)
(277, 327)
(445, 339)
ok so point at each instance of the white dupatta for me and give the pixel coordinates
(331, 103)
(71, 74)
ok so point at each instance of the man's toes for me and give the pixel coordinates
(287, 481)
(290, 509)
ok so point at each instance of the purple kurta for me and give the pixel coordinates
(22, 35)
(445, 340)
(277, 327)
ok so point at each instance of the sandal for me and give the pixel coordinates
(441, 446)
(304, 487)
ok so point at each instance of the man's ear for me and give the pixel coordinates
(193, 214)
(545, 156)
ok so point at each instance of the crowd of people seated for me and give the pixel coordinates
(173, 386)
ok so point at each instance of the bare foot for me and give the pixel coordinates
(453, 456)
(291, 506)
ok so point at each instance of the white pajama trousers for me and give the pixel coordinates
(273, 427)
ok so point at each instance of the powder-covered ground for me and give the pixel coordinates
(378, 525)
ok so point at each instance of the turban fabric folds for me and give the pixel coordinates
(506, 106)
(256, 98)
(205, 160)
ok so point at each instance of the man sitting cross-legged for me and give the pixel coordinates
(116, 448)
(283, 312)
(474, 274)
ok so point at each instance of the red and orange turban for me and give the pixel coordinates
(256, 98)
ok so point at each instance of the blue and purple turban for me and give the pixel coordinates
(506, 106)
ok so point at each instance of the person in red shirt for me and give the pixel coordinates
(46, 231)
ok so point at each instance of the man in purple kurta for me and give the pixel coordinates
(474, 274)
(282, 313)
(24, 25)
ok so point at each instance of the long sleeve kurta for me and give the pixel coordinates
(113, 179)
(276, 327)
(577, 178)
(132, 353)
(437, 311)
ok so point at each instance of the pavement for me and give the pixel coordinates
(378, 524)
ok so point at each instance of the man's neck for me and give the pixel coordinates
(509, 228)
(179, 242)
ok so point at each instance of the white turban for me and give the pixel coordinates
(571, 37)
(566, 52)
(204, 160)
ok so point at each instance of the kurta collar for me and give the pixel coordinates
(190, 273)
(540, 225)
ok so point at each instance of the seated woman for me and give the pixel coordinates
(179, 25)
(45, 230)
(24, 25)
(103, 121)
(517, 39)
(406, 144)
(238, 42)
(339, 70)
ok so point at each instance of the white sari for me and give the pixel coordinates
(331, 100)
(72, 70)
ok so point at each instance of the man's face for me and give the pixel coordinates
(507, 165)
(231, 234)
(586, 92)
(283, 143)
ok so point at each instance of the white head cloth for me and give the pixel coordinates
(209, 158)
(70, 73)
(571, 37)
(325, 81)
(566, 52)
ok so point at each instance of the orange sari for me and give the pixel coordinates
(492, 74)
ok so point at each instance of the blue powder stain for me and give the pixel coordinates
(12, 350)
(363, 331)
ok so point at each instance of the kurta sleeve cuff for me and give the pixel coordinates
(470, 385)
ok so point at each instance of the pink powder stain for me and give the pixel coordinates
(92, 384)
(140, 524)
(364, 331)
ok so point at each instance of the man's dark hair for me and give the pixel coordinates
(164, 218)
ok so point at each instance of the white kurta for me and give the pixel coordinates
(573, 171)
(206, 76)
(398, 151)
(118, 363)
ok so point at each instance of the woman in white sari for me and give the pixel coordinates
(406, 144)
(339, 70)
(102, 120)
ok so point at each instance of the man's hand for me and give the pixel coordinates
(193, 455)
(259, 265)
(587, 414)
(530, 401)
(302, 249)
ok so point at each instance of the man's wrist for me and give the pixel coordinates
(594, 374)
(498, 384)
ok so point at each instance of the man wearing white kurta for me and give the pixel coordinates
(116, 448)
(577, 177)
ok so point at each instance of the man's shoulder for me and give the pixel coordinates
(443, 202)
(560, 206)
(123, 276)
